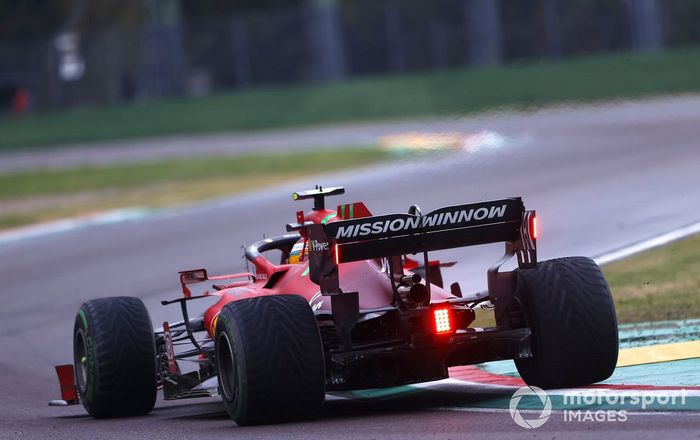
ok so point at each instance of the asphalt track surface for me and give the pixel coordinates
(600, 178)
(334, 136)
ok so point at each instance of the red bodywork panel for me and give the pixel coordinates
(66, 379)
(365, 277)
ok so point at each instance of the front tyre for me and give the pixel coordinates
(114, 357)
(270, 360)
(569, 308)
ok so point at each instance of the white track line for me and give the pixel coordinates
(559, 411)
(135, 213)
(69, 224)
(641, 246)
(138, 212)
(488, 388)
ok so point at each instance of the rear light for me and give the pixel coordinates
(336, 254)
(533, 227)
(443, 320)
(528, 231)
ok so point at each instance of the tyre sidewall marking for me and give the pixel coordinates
(89, 392)
(81, 314)
(238, 399)
(91, 376)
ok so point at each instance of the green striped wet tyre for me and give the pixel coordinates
(569, 307)
(270, 360)
(114, 357)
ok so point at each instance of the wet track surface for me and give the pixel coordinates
(600, 178)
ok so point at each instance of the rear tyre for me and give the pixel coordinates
(568, 306)
(114, 357)
(270, 360)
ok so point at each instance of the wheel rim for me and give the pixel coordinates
(80, 359)
(226, 366)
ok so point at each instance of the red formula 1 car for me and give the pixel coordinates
(349, 306)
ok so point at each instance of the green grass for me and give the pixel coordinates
(443, 93)
(40, 183)
(30, 197)
(660, 284)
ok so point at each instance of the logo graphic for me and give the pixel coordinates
(516, 414)
(319, 246)
(316, 301)
(413, 224)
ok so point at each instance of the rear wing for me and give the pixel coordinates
(504, 220)
(449, 227)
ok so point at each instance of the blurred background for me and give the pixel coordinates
(59, 54)
(143, 137)
(150, 103)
